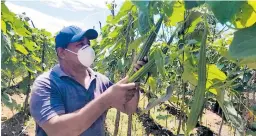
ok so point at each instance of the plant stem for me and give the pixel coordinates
(222, 121)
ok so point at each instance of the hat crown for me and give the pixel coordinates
(72, 34)
(71, 30)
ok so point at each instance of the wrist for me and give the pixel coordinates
(106, 100)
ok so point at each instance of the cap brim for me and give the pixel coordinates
(90, 34)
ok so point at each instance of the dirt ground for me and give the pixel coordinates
(13, 123)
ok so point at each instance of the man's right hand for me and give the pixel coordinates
(121, 92)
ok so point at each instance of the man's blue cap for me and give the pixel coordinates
(72, 34)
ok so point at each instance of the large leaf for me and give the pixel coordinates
(142, 5)
(193, 20)
(224, 11)
(3, 26)
(177, 14)
(20, 48)
(144, 22)
(246, 17)
(155, 102)
(230, 112)
(168, 8)
(159, 61)
(144, 18)
(192, 4)
(243, 44)
(135, 44)
(214, 76)
(249, 62)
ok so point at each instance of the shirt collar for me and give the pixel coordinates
(61, 73)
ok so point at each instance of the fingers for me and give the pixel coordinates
(124, 80)
(145, 59)
(141, 63)
(128, 86)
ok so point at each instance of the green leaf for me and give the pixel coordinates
(249, 62)
(168, 8)
(194, 19)
(144, 18)
(193, 4)
(243, 44)
(122, 14)
(46, 33)
(214, 76)
(36, 58)
(18, 23)
(24, 85)
(8, 101)
(152, 83)
(159, 61)
(155, 102)
(4, 8)
(246, 17)
(135, 44)
(22, 31)
(177, 14)
(114, 33)
(189, 74)
(20, 48)
(30, 45)
(144, 22)
(224, 11)
(230, 112)
(3, 26)
(142, 5)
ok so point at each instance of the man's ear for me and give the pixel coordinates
(61, 53)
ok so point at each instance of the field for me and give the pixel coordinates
(199, 79)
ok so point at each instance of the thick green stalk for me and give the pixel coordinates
(198, 98)
(146, 46)
(142, 71)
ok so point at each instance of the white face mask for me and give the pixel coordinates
(86, 55)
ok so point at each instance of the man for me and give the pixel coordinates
(71, 99)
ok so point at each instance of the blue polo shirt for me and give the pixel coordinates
(54, 92)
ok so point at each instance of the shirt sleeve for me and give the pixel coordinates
(45, 101)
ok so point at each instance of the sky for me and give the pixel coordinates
(53, 15)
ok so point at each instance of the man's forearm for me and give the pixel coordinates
(131, 106)
(77, 122)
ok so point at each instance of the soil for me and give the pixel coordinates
(152, 127)
(14, 123)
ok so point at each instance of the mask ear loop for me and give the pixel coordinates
(70, 51)
(85, 46)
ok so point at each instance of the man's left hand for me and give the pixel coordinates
(140, 64)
